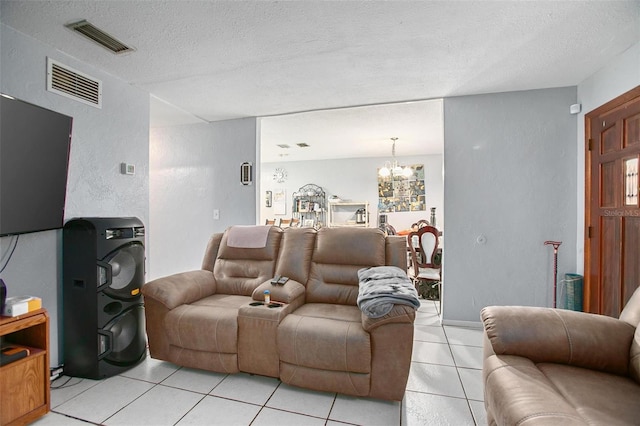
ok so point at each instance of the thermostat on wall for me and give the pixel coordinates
(127, 169)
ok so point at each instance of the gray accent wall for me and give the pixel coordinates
(195, 169)
(510, 185)
(102, 139)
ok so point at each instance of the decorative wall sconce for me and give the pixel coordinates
(246, 173)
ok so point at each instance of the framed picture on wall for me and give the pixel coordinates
(402, 193)
(279, 201)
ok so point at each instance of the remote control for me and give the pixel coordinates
(283, 280)
(275, 280)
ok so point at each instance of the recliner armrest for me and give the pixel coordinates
(399, 314)
(178, 289)
(286, 293)
(559, 336)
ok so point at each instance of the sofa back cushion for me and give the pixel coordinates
(211, 252)
(338, 255)
(396, 251)
(631, 315)
(240, 270)
(296, 249)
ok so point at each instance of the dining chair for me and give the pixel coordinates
(284, 223)
(425, 267)
(270, 222)
(388, 229)
(422, 223)
(295, 223)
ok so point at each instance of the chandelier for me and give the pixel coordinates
(392, 168)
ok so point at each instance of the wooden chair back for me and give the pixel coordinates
(284, 223)
(423, 245)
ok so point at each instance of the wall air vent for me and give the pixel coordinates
(73, 84)
(95, 34)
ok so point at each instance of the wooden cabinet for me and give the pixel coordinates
(24, 384)
(348, 214)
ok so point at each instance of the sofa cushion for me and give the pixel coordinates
(296, 249)
(325, 337)
(516, 392)
(559, 336)
(339, 254)
(241, 270)
(634, 357)
(599, 397)
(209, 324)
(631, 315)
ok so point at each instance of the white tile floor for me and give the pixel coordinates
(444, 388)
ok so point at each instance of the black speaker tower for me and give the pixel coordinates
(103, 272)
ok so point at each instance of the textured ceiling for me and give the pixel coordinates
(217, 60)
(355, 132)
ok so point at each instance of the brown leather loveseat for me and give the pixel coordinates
(318, 339)
(546, 366)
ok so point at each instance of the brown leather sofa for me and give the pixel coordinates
(546, 366)
(318, 339)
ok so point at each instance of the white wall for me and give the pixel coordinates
(353, 179)
(618, 77)
(195, 169)
(510, 176)
(101, 140)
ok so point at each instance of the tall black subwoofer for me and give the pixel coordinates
(103, 272)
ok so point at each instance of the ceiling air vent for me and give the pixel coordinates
(73, 84)
(95, 34)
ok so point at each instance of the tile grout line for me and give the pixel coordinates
(464, 390)
(190, 409)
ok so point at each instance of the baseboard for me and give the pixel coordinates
(467, 324)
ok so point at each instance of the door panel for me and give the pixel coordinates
(607, 177)
(609, 140)
(610, 259)
(631, 270)
(612, 211)
(632, 131)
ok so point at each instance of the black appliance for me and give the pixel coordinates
(103, 272)
(34, 156)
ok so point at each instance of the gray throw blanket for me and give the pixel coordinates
(381, 287)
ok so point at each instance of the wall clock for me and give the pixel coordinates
(280, 175)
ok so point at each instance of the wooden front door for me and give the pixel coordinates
(612, 235)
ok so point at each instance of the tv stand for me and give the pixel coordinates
(24, 384)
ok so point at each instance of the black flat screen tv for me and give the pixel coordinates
(34, 160)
